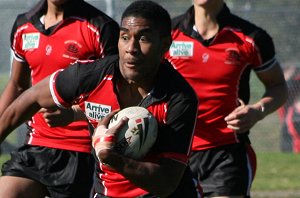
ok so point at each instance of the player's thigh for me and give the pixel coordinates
(18, 187)
(224, 171)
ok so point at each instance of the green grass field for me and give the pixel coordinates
(277, 171)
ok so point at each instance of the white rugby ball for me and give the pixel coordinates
(136, 137)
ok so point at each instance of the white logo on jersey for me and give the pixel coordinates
(205, 57)
(96, 111)
(182, 49)
(48, 50)
(30, 41)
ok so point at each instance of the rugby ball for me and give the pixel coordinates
(136, 137)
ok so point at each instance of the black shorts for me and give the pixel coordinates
(64, 173)
(225, 171)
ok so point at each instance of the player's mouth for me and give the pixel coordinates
(132, 63)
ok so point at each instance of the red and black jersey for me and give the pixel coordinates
(84, 33)
(174, 105)
(218, 69)
(292, 126)
(289, 114)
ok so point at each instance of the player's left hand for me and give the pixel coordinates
(243, 118)
(58, 117)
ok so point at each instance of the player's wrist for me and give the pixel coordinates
(105, 155)
(261, 109)
(102, 142)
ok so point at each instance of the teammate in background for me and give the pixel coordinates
(212, 48)
(56, 159)
(137, 77)
(289, 113)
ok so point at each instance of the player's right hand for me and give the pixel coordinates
(103, 138)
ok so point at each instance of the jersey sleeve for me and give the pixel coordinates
(266, 50)
(64, 94)
(68, 85)
(16, 38)
(178, 129)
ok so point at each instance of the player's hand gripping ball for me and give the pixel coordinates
(134, 139)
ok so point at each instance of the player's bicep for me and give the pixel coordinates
(272, 76)
(18, 82)
(20, 75)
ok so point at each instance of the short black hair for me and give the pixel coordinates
(151, 11)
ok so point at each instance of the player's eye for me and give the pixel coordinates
(124, 37)
(144, 39)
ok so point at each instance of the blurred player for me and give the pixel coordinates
(137, 77)
(215, 50)
(289, 113)
(54, 161)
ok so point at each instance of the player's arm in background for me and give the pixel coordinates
(20, 73)
(246, 116)
(25, 106)
(18, 82)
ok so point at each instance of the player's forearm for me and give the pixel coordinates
(17, 113)
(155, 178)
(10, 93)
(24, 107)
(273, 98)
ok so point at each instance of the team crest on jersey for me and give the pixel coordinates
(181, 49)
(30, 41)
(96, 111)
(72, 49)
(233, 56)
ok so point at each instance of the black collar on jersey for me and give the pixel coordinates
(186, 22)
(71, 8)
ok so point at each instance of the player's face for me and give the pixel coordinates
(140, 49)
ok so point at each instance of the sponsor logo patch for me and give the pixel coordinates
(30, 41)
(96, 111)
(182, 49)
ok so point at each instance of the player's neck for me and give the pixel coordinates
(53, 16)
(130, 94)
(206, 21)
